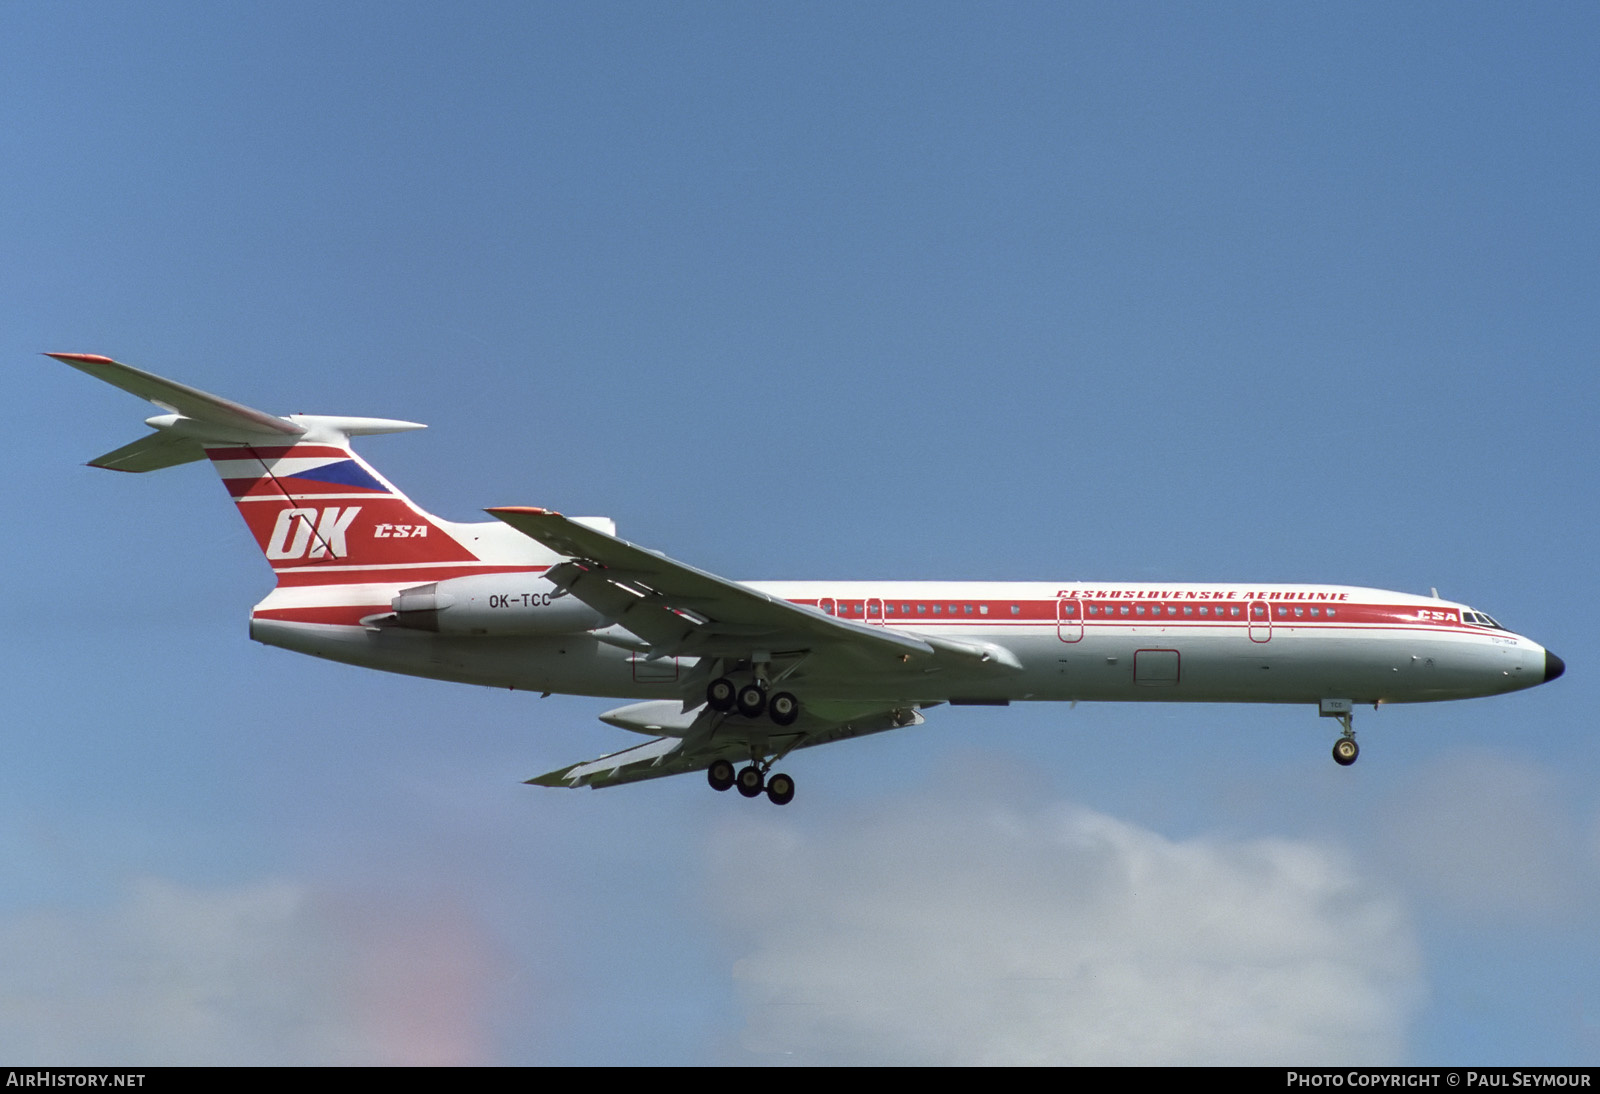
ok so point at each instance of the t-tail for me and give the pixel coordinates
(320, 513)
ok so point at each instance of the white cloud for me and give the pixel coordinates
(979, 935)
(262, 974)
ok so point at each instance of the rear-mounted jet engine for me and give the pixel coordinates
(494, 604)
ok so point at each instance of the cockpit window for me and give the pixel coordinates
(1481, 620)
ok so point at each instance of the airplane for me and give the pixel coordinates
(730, 677)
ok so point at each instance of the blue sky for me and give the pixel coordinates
(1062, 292)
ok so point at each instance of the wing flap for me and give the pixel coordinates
(711, 737)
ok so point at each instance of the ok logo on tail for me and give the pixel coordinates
(322, 531)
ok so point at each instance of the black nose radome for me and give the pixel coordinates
(1553, 666)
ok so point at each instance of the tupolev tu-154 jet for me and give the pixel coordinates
(729, 677)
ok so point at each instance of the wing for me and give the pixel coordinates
(709, 736)
(679, 610)
(857, 678)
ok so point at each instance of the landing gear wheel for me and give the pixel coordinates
(783, 708)
(752, 700)
(720, 694)
(720, 775)
(780, 789)
(1345, 751)
(750, 781)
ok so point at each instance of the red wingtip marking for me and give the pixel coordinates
(529, 509)
(87, 358)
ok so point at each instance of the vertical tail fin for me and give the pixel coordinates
(322, 515)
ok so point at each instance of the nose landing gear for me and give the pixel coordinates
(1345, 749)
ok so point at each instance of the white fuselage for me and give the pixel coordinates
(1215, 642)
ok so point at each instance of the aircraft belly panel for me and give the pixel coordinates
(574, 665)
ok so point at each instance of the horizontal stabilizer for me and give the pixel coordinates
(196, 418)
(169, 395)
(151, 453)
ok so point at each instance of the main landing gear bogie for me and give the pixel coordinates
(751, 701)
(751, 781)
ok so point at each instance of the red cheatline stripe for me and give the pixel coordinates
(297, 486)
(347, 616)
(395, 575)
(275, 451)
